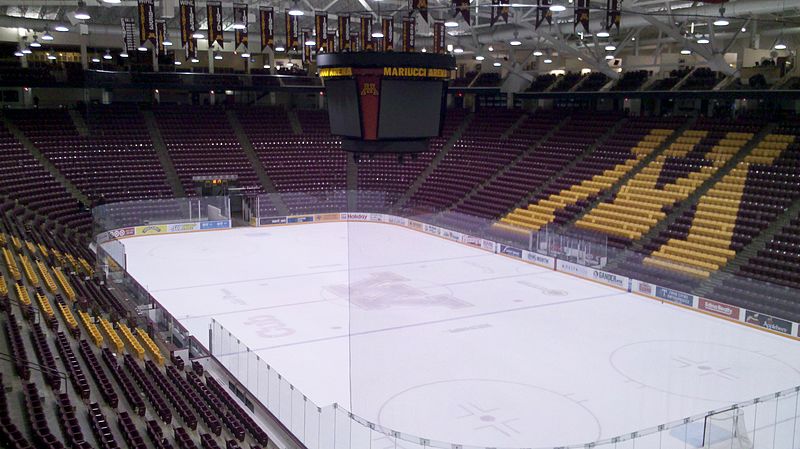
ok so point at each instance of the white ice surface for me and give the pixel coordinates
(452, 343)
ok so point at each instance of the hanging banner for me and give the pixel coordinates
(581, 14)
(344, 32)
(214, 11)
(330, 42)
(147, 22)
(240, 37)
(161, 36)
(187, 21)
(461, 6)
(266, 24)
(306, 36)
(408, 34)
(354, 41)
(613, 14)
(421, 6)
(543, 12)
(292, 32)
(387, 28)
(191, 49)
(438, 37)
(366, 33)
(504, 9)
(495, 12)
(320, 30)
(128, 34)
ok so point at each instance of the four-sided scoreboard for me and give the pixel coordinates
(385, 102)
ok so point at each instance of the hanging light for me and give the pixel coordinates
(515, 43)
(112, 2)
(609, 57)
(239, 25)
(451, 24)
(217, 55)
(35, 43)
(497, 64)
(197, 35)
(603, 34)
(548, 60)
(721, 20)
(458, 50)
(295, 11)
(95, 59)
(167, 42)
(557, 7)
(537, 53)
(124, 54)
(141, 48)
(490, 48)
(479, 58)
(280, 48)
(81, 13)
(61, 28)
(266, 66)
(703, 39)
(107, 55)
(377, 35)
(47, 36)
(26, 50)
(424, 50)
(610, 47)
(780, 44)
(310, 42)
(178, 63)
(194, 60)
(51, 56)
(246, 54)
(19, 53)
(686, 51)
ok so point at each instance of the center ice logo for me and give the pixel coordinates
(385, 289)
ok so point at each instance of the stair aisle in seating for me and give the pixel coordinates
(594, 175)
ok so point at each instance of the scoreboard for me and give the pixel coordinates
(385, 102)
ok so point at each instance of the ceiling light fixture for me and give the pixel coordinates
(81, 13)
(377, 35)
(95, 59)
(295, 11)
(458, 50)
(603, 34)
(19, 53)
(548, 61)
(497, 64)
(194, 60)
(107, 55)
(198, 35)
(113, 2)
(51, 57)
(479, 58)
(141, 48)
(280, 48)
(721, 20)
(35, 43)
(451, 24)
(609, 57)
(47, 36)
(611, 47)
(558, 8)
(537, 53)
(703, 40)
(178, 63)
(686, 51)
(246, 55)
(124, 54)
(61, 28)
(26, 50)
(217, 56)
(515, 43)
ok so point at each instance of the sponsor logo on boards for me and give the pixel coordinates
(273, 221)
(609, 278)
(397, 220)
(150, 229)
(718, 308)
(215, 224)
(674, 296)
(452, 235)
(355, 216)
(488, 245)
(181, 227)
(645, 288)
(430, 229)
(569, 267)
(511, 251)
(123, 232)
(300, 219)
(471, 240)
(415, 225)
(768, 322)
(539, 259)
(326, 217)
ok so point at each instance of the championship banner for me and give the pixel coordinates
(494, 13)
(366, 33)
(330, 42)
(344, 32)
(306, 35)
(147, 22)
(266, 24)
(240, 16)
(504, 9)
(191, 49)
(421, 6)
(543, 13)
(461, 6)
(161, 36)
(187, 22)
(128, 34)
(354, 41)
(613, 14)
(292, 31)
(438, 37)
(214, 11)
(581, 14)
(320, 30)
(387, 28)
(408, 34)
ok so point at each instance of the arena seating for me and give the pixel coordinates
(116, 161)
(201, 142)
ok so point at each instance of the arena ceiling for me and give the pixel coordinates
(646, 25)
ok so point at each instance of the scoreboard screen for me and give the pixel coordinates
(410, 109)
(343, 107)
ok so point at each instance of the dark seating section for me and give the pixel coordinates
(672, 78)
(382, 179)
(479, 153)
(593, 82)
(37, 419)
(201, 142)
(631, 81)
(116, 160)
(567, 82)
(702, 79)
(541, 83)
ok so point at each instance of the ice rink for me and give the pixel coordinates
(452, 343)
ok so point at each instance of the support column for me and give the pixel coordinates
(210, 59)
